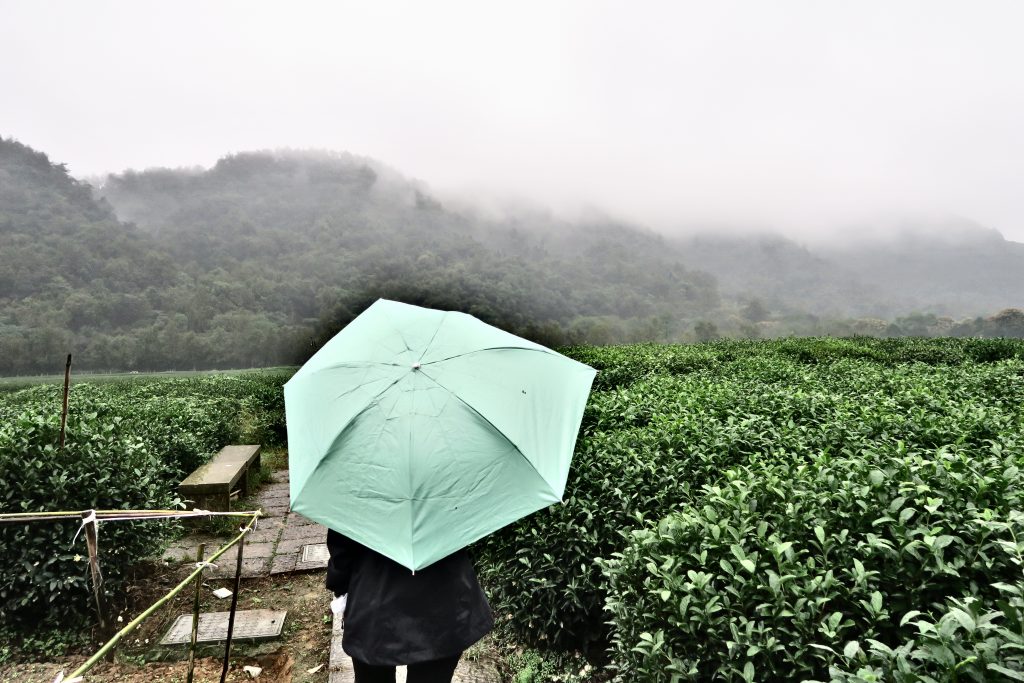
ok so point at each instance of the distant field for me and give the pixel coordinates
(15, 383)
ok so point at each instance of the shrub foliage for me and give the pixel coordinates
(774, 510)
(820, 509)
(128, 445)
(43, 570)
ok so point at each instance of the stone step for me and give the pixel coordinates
(253, 624)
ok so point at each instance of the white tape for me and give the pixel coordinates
(204, 565)
(88, 519)
(60, 679)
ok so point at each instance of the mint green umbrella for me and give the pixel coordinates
(416, 432)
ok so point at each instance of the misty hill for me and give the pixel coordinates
(66, 263)
(255, 260)
(56, 237)
(337, 228)
(958, 270)
(260, 258)
(783, 275)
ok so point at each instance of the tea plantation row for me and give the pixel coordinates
(814, 509)
(128, 444)
(789, 510)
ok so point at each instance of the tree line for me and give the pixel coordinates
(261, 258)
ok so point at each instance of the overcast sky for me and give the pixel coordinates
(803, 116)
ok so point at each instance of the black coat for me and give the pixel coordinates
(396, 617)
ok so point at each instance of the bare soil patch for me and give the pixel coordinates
(304, 643)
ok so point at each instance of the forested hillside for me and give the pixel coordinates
(258, 259)
(70, 272)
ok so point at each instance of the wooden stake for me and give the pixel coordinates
(234, 605)
(92, 541)
(195, 614)
(64, 409)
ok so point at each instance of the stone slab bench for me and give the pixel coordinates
(211, 486)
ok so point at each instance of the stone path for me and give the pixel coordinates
(276, 547)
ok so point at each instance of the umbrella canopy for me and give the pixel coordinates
(416, 432)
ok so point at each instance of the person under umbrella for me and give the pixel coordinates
(411, 434)
(394, 617)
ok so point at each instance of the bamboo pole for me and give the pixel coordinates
(134, 623)
(92, 543)
(195, 613)
(64, 409)
(231, 615)
(115, 515)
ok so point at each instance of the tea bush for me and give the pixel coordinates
(784, 565)
(829, 509)
(43, 573)
(129, 444)
(970, 638)
(895, 450)
(182, 420)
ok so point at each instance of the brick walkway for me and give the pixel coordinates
(276, 548)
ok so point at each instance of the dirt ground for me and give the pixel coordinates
(299, 655)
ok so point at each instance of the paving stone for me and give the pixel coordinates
(468, 672)
(295, 519)
(270, 523)
(340, 663)
(213, 626)
(264, 535)
(283, 563)
(475, 672)
(273, 498)
(275, 510)
(317, 532)
(275, 490)
(257, 550)
(291, 545)
(212, 542)
(279, 476)
(251, 566)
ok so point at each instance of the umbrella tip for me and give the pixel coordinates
(415, 366)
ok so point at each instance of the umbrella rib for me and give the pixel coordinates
(356, 364)
(444, 316)
(398, 331)
(412, 512)
(490, 348)
(369, 404)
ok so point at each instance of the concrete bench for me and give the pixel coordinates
(212, 485)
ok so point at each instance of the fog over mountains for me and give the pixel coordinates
(957, 270)
(259, 258)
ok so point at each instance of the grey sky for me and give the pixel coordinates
(804, 116)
